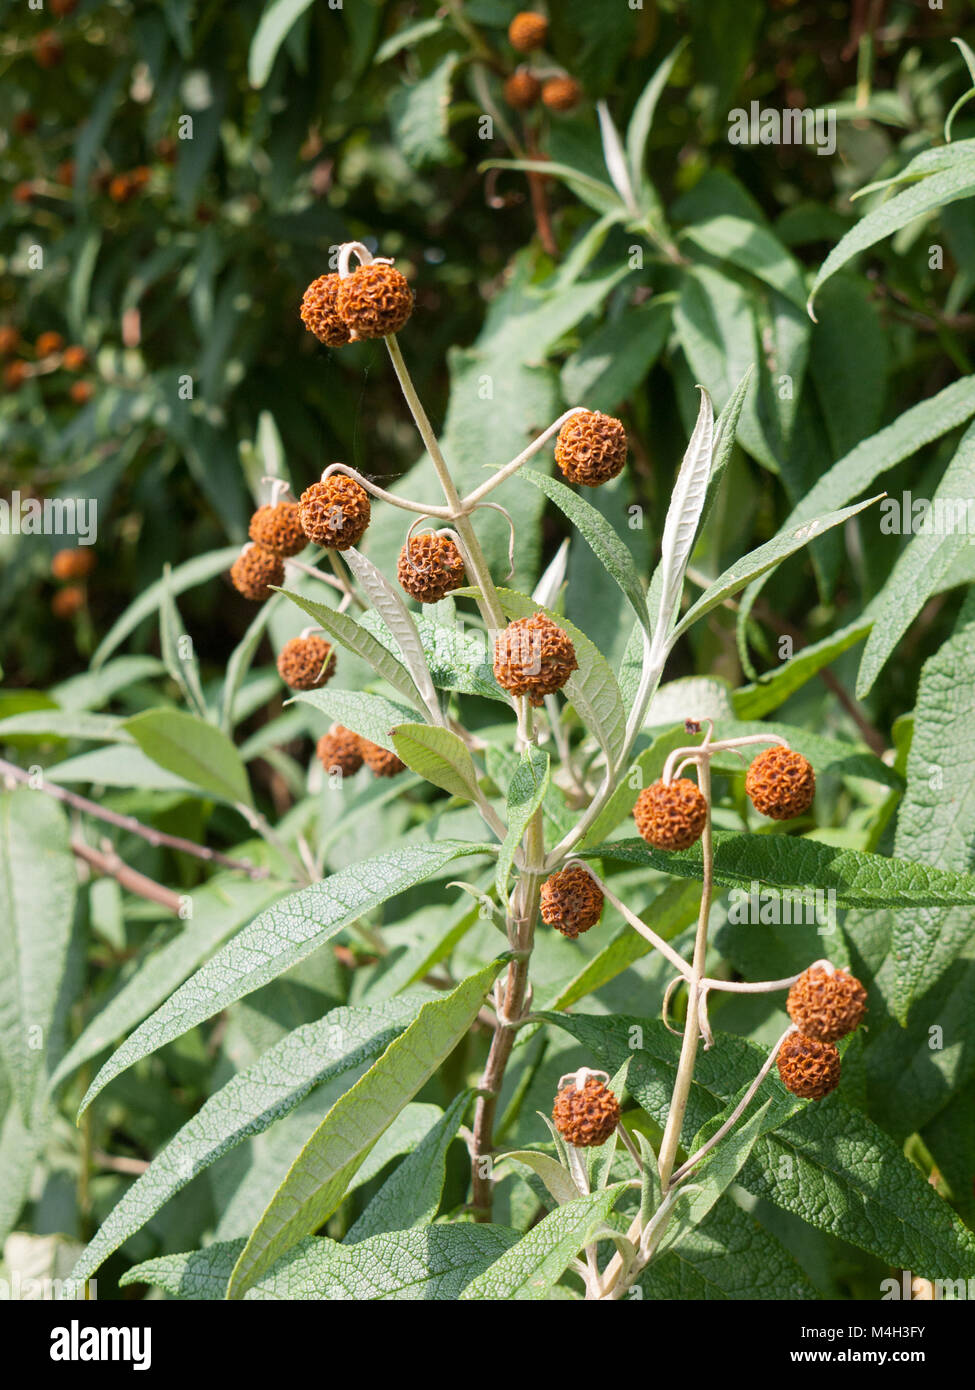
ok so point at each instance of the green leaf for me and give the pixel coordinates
(770, 691)
(614, 360)
(37, 901)
(217, 908)
(529, 1269)
(248, 1104)
(600, 536)
(557, 1181)
(371, 716)
(935, 191)
(439, 755)
(240, 661)
(641, 119)
(411, 1195)
(273, 27)
(597, 194)
(406, 37)
(185, 670)
(420, 115)
(752, 247)
(766, 557)
(120, 765)
(526, 792)
(435, 1262)
(278, 939)
(399, 621)
(321, 1171)
(64, 723)
(921, 567)
(458, 660)
(192, 749)
(936, 821)
(356, 639)
(683, 517)
(186, 576)
(801, 866)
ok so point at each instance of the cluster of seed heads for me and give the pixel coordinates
(373, 302)
(340, 750)
(527, 33)
(825, 1005)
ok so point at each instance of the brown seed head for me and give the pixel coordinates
(48, 343)
(306, 663)
(340, 749)
(335, 513)
(379, 760)
(23, 193)
(561, 93)
(527, 31)
(48, 49)
(570, 901)
(586, 1116)
(374, 300)
(808, 1068)
(15, 374)
(429, 566)
(254, 570)
(591, 448)
(74, 358)
(278, 528)
(73, 564)
(9, 340)
(522, 89)
(826, 1006)
(533, 657)
(81, 391)
(671, 816)
(140, 176)
(67, 602)
(780, 783)
(319, 312)
(121, 188)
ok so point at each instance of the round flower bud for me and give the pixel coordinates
(527, 31)
(591, 448)
(319, 313)
(379, 760)
(586, 1116)
(278, 528)
(306, 663)
(429, 566)
(533, 657)
(68, 601)
(254, 570)
(571, 902)
(826, 1005)
(48, 343)
(81, 391)
(74, 358)
(374, 301)
(73, 564)
(780, 783)
(671, 816)
(335, 513)
(340, 750)
(522, 89)
(561, 93)
(808, 1068)
(15, 374)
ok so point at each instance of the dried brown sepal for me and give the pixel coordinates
(825, 1005)
(570, 901)
(374, 301)
(429, 567)
(808, 1068)
(340, 750)
(591, 448)
(254, 571)
(533, 657)
(780, 783)
(306, 663)
(335, 513)
(319, 311)
(379, 760)
(586, 1116)
(278, 528)
(671, 816)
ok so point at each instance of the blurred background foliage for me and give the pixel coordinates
(177, 265)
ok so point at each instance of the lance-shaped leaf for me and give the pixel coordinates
(354, 637)
(320, 1173)
(396, 616)
(177, 650)
(556, 1178)
(240, 661)
(683, 515)
(192, 749)
(439, 755)
(530, 1269)
(38, 884)
(249, 1104)
(281, 937)
(641, 120)
(526, 791)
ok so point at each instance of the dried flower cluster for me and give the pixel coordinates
(671, 815)
(571, 902)
(586, 1115)
(533, 657)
